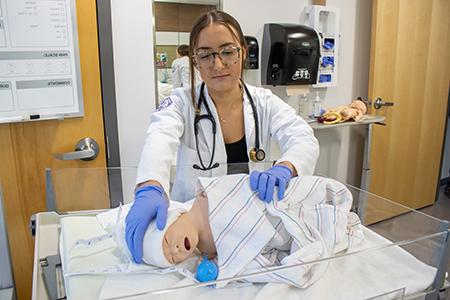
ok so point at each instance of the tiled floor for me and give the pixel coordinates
(441, 209)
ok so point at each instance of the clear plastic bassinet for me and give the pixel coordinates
(404, 255)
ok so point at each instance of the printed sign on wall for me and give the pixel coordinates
(39, 60)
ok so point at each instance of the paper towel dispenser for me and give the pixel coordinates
(290, 55)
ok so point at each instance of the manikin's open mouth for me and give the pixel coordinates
(187, 245)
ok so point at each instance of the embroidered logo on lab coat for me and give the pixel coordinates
(164, 104)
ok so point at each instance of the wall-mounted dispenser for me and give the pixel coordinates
(290, 55)
(252, 60)
(325, 20)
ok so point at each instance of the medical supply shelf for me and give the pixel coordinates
(367, 120)
(404, 255)
(326, 21)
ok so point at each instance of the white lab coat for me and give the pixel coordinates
(180, 73)
(172, 129)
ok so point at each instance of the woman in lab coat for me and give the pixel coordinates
(218, 50)
(180, 68)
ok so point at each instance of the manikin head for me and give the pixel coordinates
(180, 240)
(172, 245)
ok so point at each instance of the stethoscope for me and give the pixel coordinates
(256, 154)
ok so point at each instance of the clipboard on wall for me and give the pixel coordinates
(40, 75)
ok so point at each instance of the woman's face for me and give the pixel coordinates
(219, 74)
(180, 240)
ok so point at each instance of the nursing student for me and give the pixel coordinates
(180, 68)
(214, 122)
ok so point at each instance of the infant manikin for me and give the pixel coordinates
(186, 231)
(228, 222)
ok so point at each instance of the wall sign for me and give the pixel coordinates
(39, 61)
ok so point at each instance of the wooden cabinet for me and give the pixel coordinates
(166, 16)
(178, 17)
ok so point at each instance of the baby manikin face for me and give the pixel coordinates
(180, 240)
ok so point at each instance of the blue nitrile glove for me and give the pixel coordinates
(207, 270)
(265, 182)
(328, 45)
(149, 203)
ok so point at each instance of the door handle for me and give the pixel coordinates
(380, 103)
(86, 149)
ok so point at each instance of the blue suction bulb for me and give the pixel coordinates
(206, 270)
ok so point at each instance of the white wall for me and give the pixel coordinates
(341, 149)
(132, 28)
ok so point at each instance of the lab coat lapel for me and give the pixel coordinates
(207, 135)
(249, 123)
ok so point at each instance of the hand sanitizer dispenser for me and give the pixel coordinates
(317, 106)
(290, 55)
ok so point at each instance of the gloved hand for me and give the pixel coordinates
(149, 203)
(265, 182)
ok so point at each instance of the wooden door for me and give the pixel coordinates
(410, 66)
(27, 149)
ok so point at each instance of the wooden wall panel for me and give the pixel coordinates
(166, 16)
(189, 13)
(178, 17)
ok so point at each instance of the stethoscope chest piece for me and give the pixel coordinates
(257, 155)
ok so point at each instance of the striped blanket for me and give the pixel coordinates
(312, 222)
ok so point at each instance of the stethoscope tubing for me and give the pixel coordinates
(255, 115)
(210, 117)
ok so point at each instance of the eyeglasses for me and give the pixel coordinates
(206, 58)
